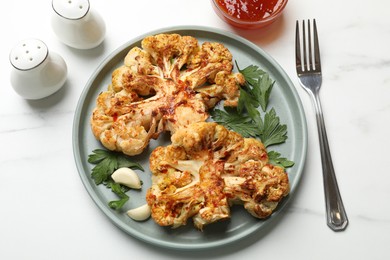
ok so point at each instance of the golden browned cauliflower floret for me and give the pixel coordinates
(169, 82)
(206, 169)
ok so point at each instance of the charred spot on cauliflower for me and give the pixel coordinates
(205, 170)
(168, 82)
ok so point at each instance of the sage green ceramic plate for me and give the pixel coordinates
(284, 99)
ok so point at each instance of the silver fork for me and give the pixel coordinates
(310, 78)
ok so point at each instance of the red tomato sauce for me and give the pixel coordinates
(250, 10)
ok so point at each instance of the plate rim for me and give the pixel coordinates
(139, 235)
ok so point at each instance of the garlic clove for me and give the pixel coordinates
(139, 214)
(127, 177)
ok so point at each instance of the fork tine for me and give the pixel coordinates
(298, 61)
(305, 64)
(317, 59)
(310, 65)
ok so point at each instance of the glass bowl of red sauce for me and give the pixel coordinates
(249, 14)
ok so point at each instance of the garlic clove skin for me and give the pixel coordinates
(127, 177)
(141, 213)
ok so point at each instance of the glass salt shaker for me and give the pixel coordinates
(36, 73)
(76, 24)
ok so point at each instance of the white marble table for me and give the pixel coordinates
(46, 213)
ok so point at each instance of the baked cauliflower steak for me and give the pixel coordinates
(169, 82)
(208, 168)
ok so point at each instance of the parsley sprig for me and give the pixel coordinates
(276, 159)
(106, 162)
(235, 121)
(247, 120)
(257, 89)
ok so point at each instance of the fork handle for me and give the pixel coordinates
(337, 218)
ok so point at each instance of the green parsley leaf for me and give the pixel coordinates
(262, 90)
(251, 73)
(275, 159)
(273, 132)
(123, 198)
(257, 90)
(256, 94)
(247, 102)
(236, 122)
